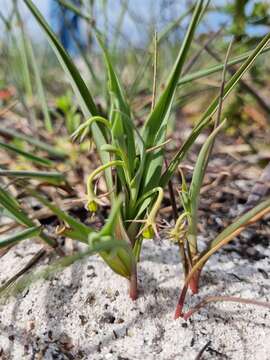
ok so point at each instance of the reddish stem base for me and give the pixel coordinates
(194, 286)
(194, 282)
(133, 286)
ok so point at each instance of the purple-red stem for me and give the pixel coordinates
(179, 307)
(194, 286)
(209, 299)
(133, 285)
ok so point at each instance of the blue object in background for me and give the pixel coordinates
(66, 25)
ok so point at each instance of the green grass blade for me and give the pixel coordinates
(40, 89)
(242, 221)
(230, 233)
(14, 209)
(207, 117)
(173, 25)
(119, 25)
(35, 142)
(22, 235)
(147, 57)
(195, 188)
(163, 106)
(154, 131)
(121, 260)
(25, 68)
(90, 22)
(16, 287)
(199, 170)
(84, 96)
(50, 177)
(216, 68)
(110, 225)
(35, 159)
(122, 129)
(5, 195)
(70, 6)
(10, 204)
(75, 225)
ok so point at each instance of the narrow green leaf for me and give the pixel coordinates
(22, 235)
(216, 68)
(18, 286)
(25, 68)
(120, 259)
(207, 116)
(163, 106)
(155, 128)
(199, 170)
(110, 225)
(229, 234)
(70, 6)
(33, 141)
(13, 207)
(122, 130)
(147, 57)
(79, 87)
(83, 95)
(35, 159)
(242, 221)
(51, 177)
(40, 88)
(74, 224)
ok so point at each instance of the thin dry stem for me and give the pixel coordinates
(210, 299)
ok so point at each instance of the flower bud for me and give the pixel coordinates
(148, 232)
(92, 206)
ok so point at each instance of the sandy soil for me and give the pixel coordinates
(84, 312)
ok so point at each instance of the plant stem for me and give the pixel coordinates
(209, 299)
(133, 286)
(183, 257)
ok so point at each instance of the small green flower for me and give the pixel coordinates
(148, 232)
(92, 206)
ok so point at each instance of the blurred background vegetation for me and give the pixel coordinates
(34, 85)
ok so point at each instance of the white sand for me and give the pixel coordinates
(84, 312)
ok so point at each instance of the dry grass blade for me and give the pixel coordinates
(210, 299)
(200, 354)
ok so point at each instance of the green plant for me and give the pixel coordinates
(227, 235)
(137, 155)
(24, 63)
(135, 188)
(103, 242)
(69, 109)
(244, 13)
(185, 232)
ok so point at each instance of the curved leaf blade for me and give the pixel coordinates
(86, 100)
(22, 235)
(35, 159)
(207, 116)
